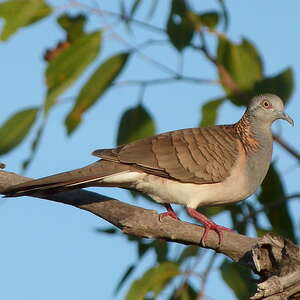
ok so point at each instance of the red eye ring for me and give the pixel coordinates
(266, 104)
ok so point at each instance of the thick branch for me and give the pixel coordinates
(143, 222)
(277, 260)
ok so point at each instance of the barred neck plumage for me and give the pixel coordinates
(245, 132)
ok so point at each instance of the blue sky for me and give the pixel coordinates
(51, 251)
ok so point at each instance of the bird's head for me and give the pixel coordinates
(268, 108)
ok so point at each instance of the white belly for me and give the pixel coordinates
(233, 189)
(193, 195)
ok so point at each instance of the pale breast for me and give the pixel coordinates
(234, 188)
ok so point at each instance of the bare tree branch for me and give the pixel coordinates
(275, 259)
(143, 222)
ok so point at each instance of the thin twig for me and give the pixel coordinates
(103, 13)
(205, 275)
(158, 81)
(118, 15)
(187, 275)
(204, 48)
(142, 222)
(267, 207)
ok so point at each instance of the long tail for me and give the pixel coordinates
(74, 179)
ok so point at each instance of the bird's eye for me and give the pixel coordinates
(266, 104)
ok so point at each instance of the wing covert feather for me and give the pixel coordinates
(197, 155)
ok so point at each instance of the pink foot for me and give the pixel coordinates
(208, 225)
(170, 212)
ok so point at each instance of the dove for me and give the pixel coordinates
(195, 167)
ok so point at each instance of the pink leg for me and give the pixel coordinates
(170, 212)
(208, 225)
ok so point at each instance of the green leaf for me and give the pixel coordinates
(94, 88)
(241, 61)
(208, 19)
(143, 248)
(272, 192)
(236, 213)
(180, 29)
(125, 276)
(15, 129)
(20, 13)
(238, 278)
(281, 85)
(161, 250)
(186, 292)
(188, 251)
(73, 25)
(136, 123)
(34, 146)
(64, 69)
(210, 111)
(211, 211)
(154, 280)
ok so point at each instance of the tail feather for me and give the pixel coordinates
(74, 179)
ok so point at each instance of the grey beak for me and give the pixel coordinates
(285, 116)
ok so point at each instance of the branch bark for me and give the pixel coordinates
(142, 222)
(275, 259)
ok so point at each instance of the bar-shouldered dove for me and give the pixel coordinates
(193, 167)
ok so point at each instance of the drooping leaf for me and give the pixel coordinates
(281, 85)
(211, 211)
(180, 29)
(236, 214)
(20, 13)
(272, 192)
(136, 123)
(143, 247)
(94, 88)
(238, 278)
(161, 250)
(15, 129)
(241, 61)
(210, 111)
(154, 280)
(123, 279)
(208, 19)
(34, 146)
(64, 69)
(73, 25)
(187, 292)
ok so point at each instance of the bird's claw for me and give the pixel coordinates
(171, 214)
